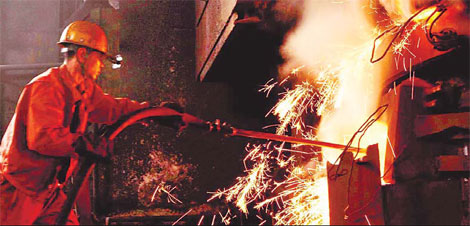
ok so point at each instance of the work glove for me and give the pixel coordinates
(176, 121)
(98, 147)
(220, 126)
(181, 121)
(172, 105)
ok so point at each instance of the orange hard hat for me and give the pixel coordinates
(87, 34)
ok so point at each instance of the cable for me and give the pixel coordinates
(428, 31)
(445, 39)
(400, 31)
(388, 47)
(368, 124)
(364, 127)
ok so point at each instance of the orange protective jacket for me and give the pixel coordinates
(38, 141)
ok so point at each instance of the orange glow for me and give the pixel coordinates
(377, 134)
(356, 99)
(425, 14)
(304, 198)
(400, 10)
(341, 55)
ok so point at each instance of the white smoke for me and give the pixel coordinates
(338, 35)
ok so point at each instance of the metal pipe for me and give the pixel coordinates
(296, 140)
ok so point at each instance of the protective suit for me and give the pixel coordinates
(51, 114)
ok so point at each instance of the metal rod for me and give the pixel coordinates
(296, 140)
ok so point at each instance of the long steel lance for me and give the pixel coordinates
(295, 140)
(232, 131)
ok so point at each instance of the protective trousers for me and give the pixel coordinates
(17, 208)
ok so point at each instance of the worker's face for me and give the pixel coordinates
(93, 64)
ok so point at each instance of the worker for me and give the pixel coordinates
(50, 119)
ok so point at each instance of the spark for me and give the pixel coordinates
(252, 186)
(404, 65)
(411, 65)
(154, 193)
(163, 188)
(284, 80)
(411, 69)
(213, 220)
(368, 222)
(395, 87)
(227, 218)
(268, 87)
(396, 62)
(405, 40)
(302, 201)
(297, 69)
(391, 147)
(412, 85)
(304, 98)
(300, 197)
(200, 220)
(182, 216)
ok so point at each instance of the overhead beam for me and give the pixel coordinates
(214, 24)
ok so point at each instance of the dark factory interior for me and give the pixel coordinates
(305, 112)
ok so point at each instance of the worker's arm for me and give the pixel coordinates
(107, 109)
(46, 131)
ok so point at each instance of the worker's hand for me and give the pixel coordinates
(84, 146)
(219, 126)
(103, 148)
(175, 121)
(172, 105)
